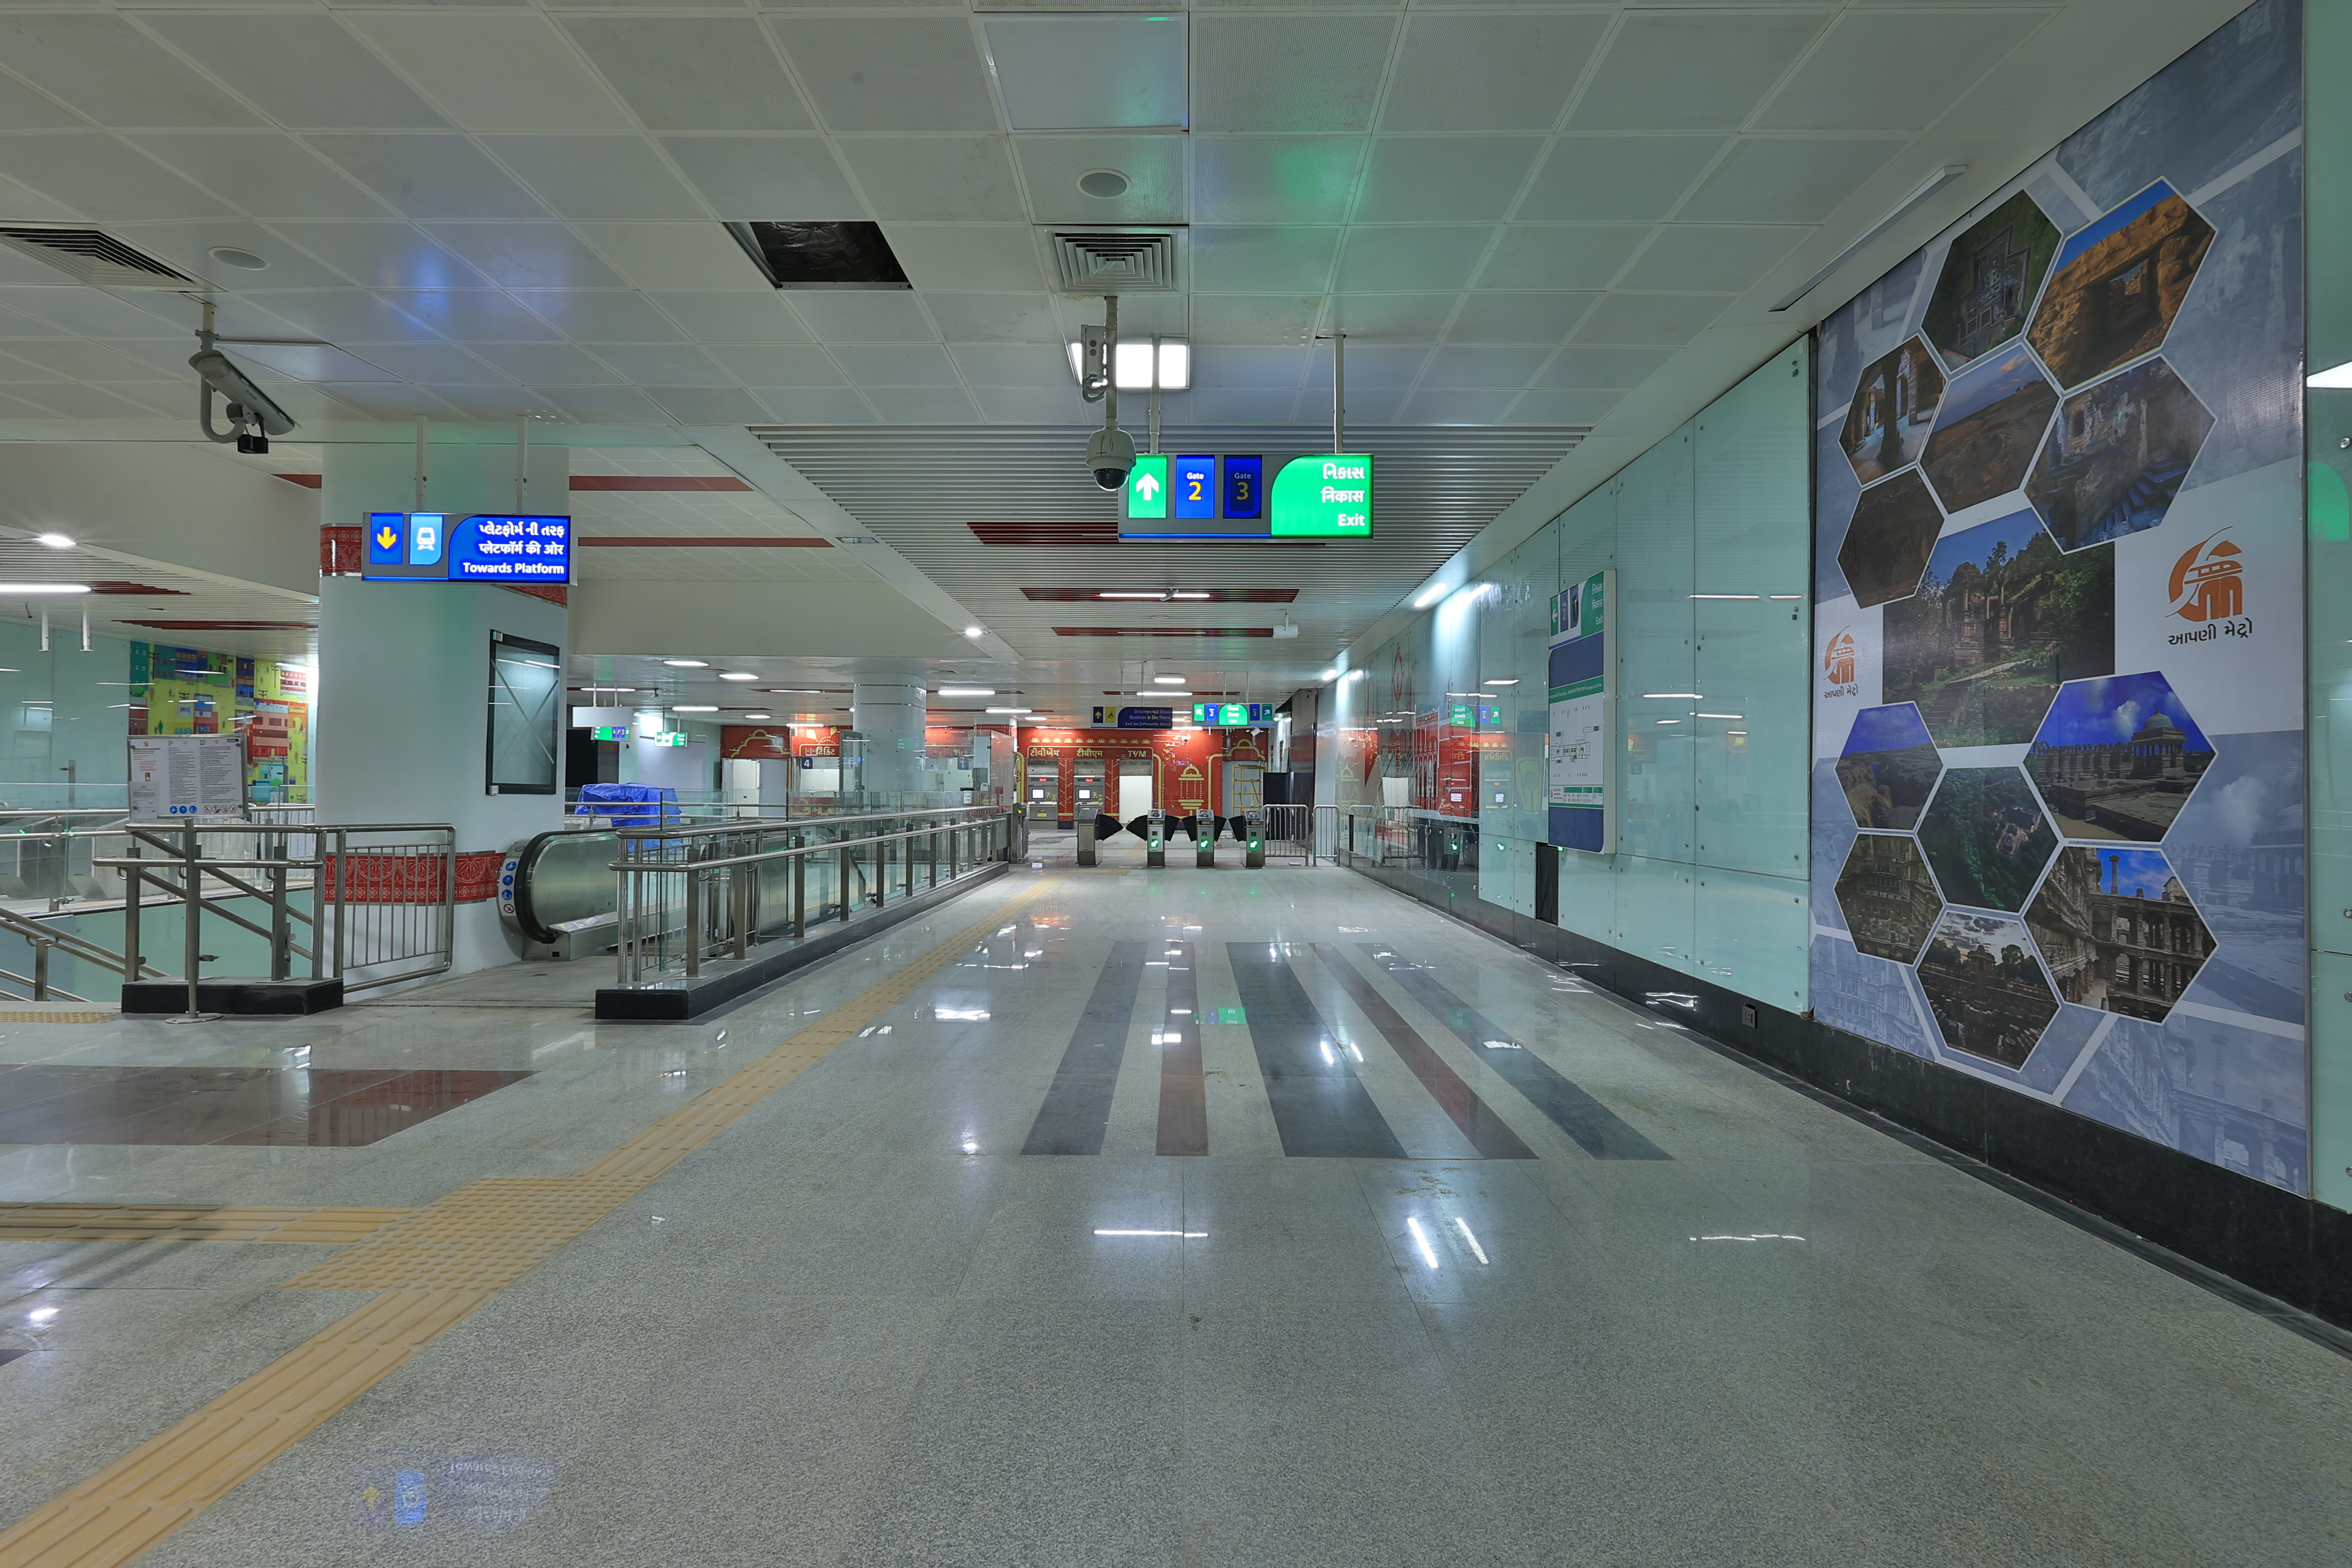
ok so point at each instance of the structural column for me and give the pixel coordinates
(890, 716)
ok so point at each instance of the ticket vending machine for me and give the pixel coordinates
(1042, 791)
(1089, 787)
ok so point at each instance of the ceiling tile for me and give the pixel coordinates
(1852, 82)
(1287, 73)
(1140, 315)
(1240, 406)
(29, 205)
(268, 173)
(673, 255)
(1487, 73)
(665, 364)
(1701, 70)
(924, 405)
(783, 365)
(1518, 318)
(597, 176)
(897, 364)
(528, 255)
(1274, 179)
(693, 73)
(1437, 179)
(510, 71)
(392, 255)
(1578, 256)
(305, 71)
(1457, 405)
(1663, 319)
(547, 364)
(992, 257)
(81, 360)
(473, 315)
(1728, 259)
(936, 178)
(1266, 369)
(605, 405)
(69, 400)
(1154, 166)
(188, 247)
(1381, 406)
(994, 318)
(1562, 408)
(863, 316)
(716, 317)
(1246, 260)
(592, 315)
(101, 177)
(432, 364)
(1248, 319)
(1794, 181)
(1610, 368)
(1369, 366)
(1400, 318)
(774, 178)
(344, 316)
(709, 405)
(1014, 364)
(1598, 178)
(903, 74)
(22, 109)
(1031, 406)
(1383, 260)
(432, 177)
(1496, 364)
(111, 72)
(791, 406)
(491, 404)
(1078, 71)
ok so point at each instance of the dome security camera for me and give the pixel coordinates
(1111, 453)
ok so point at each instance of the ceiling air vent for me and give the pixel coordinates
(821, 255)
(1114, 261)
(92, 258)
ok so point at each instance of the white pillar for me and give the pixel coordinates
(890, 716)
(400, 730)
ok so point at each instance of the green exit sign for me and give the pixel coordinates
(1147, 486)
(1327, 497)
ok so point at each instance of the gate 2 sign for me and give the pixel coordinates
(486, 547)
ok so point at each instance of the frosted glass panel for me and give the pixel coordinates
(1751, 934)
(1507, 873)
(1653, 910)
(1654, 653)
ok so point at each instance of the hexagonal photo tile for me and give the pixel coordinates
(2118, 931)
(1888, 768)
(1984, 986)
(1887, 544)
(1887, 897)
(2117, 757)
(1991, 423)
(1893, 410)
(1987, 837)
(1991, 274)
(2117, 456)
(2002, 616)
(2120, 281)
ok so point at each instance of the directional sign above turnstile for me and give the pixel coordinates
(1230, 497)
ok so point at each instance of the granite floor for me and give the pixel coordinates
(1189, 1218)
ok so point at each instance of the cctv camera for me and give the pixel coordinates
(247, 404)
(1111, 453)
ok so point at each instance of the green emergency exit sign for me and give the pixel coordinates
(1324, 498)
(1147, 486)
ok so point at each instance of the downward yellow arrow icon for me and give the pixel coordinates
(387, 539)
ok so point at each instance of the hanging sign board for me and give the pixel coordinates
(1233, 715)
(484, 547)
(1317, 496)
(1135, 718)
(197, 778)
(1582, 754)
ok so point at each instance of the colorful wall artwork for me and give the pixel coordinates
(189, 691)
(2058, 825)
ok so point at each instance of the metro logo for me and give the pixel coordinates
(2209, 582)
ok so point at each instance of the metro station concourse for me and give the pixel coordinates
(1055, 784)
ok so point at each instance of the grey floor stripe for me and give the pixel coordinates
(1320, 1108)
(1183, 1090)
(1488, 1132)
(1077, 1107)
(1597, 1130)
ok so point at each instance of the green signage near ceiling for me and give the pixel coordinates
(1147, 486)
(1324, 498)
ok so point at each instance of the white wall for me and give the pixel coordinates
(168, 504)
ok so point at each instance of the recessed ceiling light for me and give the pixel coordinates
(759, 715)
(691, 707)
(1103, 183)
(967, 691)
(1008, 710)
(13, 589)
(1181, 593)
(1431, 594)
(1168, 681)
(687, 663)
(1135, 364)
(1329, 675)
(54, 541)
(1164, 692)
(1154, 593)
(975, 631)
(243, 260)
(737, 675)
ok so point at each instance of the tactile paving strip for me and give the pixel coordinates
(189, 1222)
(434, 1265)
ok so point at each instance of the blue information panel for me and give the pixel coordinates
(1194, 485)
(486, 547)
(1135, 718)
(1245, 487)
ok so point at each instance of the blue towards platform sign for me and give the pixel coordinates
(486, 547)
(1147, 718)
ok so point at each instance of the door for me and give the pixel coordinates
(1134, 787)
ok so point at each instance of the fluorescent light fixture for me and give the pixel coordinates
(1167, 680)
(1188, 593)
(2333, 377)
(687, 663)
(1431, 594)
(1135, 364)
(1669, 720)
(1693, 695)
(691, 707)
(1188, 1235)
(1355, 675)
(759, 715)
(1726, 596)
(975, 631)
(1718, 715)
(13, 589)
(1502, 680)
(1008, 710)
(54, 541)
(1786, 596)
(1165, 691)
(1155, 594)
(1329, 675)
(1928, 187)
(737, 675)
(967, 691)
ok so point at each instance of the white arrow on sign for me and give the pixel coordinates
(1147, 485)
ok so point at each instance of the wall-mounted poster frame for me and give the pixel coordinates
(526, 695)
(1582, 756)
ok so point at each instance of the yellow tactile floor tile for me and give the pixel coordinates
(188, 1221)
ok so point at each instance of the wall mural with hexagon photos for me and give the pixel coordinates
(2058, 838)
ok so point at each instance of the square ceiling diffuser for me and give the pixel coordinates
(1087, 71)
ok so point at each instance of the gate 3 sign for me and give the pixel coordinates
(486, 547)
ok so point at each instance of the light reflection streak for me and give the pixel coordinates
(1476, 1251)
(1421, 1240)
(1187, 1234)
(1760, 1236)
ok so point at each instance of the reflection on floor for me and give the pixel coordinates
(42, 1102)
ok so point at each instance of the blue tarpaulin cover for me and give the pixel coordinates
(657, 805)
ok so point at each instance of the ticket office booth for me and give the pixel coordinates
(1042, 791)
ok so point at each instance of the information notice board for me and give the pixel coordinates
(200, 777)
(1580, 756)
